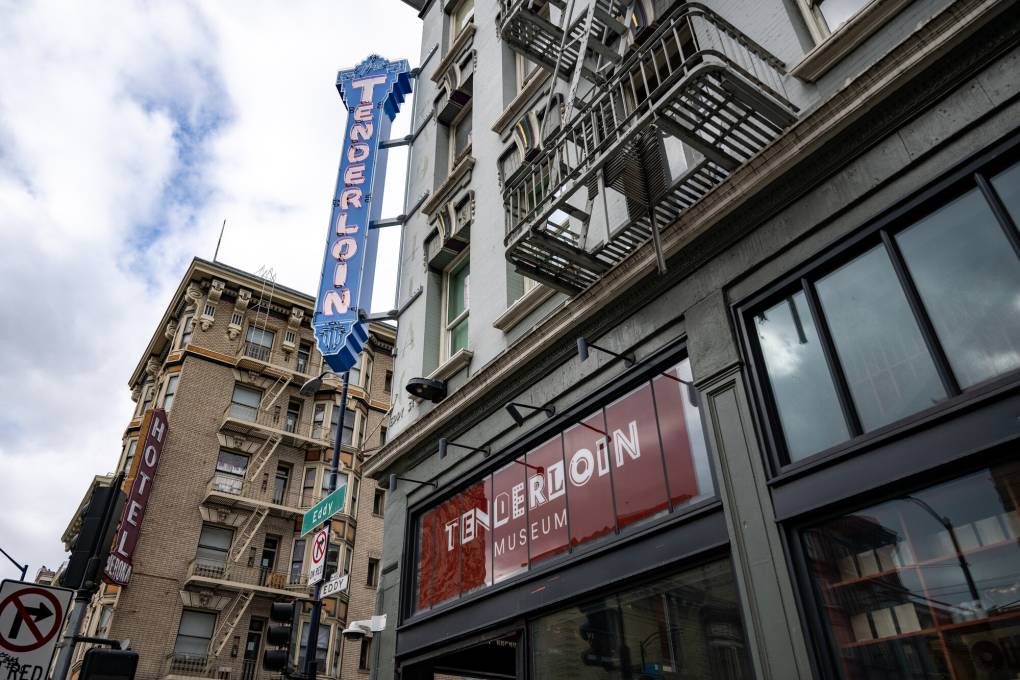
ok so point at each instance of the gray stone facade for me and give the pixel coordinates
(902, 103)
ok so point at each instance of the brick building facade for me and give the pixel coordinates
(245, 456)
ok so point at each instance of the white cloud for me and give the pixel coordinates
(128, 132)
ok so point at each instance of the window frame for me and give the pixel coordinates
(453, 157)
(258, 408)
(469, 18)
(172, 381)
(973, 174)
(187, 329)
(446, 343)
(128, 456)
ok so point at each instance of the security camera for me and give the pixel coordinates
(357, 630)
(365, 627)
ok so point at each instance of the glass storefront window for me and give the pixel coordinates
(914, 314)
(969, 281)
(682, 627)
(926, 584)
(640, 457)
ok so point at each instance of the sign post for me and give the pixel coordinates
(30, 618)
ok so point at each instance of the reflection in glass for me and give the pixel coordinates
(684, 626)
(968, 277)
(804, 394)
(887, 365)
(1007, 185)
(838, 12)
(925, 585)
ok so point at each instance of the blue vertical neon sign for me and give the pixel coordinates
(372, 92)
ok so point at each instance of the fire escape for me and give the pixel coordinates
(689, 76)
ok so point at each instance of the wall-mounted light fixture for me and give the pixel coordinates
(426, 388)
(445, 443)
(395, 478)
(583, 346)
(513, 408)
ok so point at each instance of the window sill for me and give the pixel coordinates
(452, 366)
(524, 306)
(516, 107)
(453, 53)
(846, 39)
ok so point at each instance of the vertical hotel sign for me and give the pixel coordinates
(119, 563)
(372, 93)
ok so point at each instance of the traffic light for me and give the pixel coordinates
(91, 544)
(280, 635)
(109, 664)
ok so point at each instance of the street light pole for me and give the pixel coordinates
(312, 646)
(22, 567)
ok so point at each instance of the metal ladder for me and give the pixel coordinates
(230, 617)
(247, 531)
(262, 456)
(265, 302)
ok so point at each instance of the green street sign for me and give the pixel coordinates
(323, 510)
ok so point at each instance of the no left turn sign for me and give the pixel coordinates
(31, 617)
(320, 546)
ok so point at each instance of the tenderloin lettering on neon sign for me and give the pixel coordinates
(372, 92)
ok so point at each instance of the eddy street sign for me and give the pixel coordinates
(335, 585)
(323, 510)
(31, 617)
(320, 548)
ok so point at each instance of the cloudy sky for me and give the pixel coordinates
(128, 132)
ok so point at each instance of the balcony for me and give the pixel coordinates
(526, 26)
(274, 421)
(695, 78)
(233, 492)
(254, 356)
(240, 577)
(191, 666)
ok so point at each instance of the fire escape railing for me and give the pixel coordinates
(697, 78)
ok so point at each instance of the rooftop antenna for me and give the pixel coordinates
(219, 240)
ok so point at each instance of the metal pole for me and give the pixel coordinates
(312, 646)
(23, 568)
(89, 586)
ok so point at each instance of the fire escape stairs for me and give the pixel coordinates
(263, 454)
(695, 78)
(247, 531)
(230, 617)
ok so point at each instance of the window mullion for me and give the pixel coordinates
(1001, 214)
(924, 323)
(853, 420)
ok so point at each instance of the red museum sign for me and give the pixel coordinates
(639, 457)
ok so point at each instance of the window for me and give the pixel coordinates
(353, 492)
(213, 548)
(926, 580)
(382, 435)
(334, 421)
(388, 382)
(925, 311)
(105, 615)
(129, 455)
(308, 498)
(460, 138)
(293, 415)
(171, 390)
(379, 502)
(349, 417)
(297, 560)
(457, 295)
(186, 328)
(460, 17)
(230, 470)
(258, 343)
(236, 318)
(354, 375)
(834, 13)
(341, 480)
(280, 483)
(321, 646)
(194, 634)
(373, 572)
(244, 404)
(304, 357)
(366, 381)
(289, 337)
(658, 420)
(318, 418)
(524, 68)
(147, 392)
(365, 655)
(210, 310)
(362, 422)
(684, 626)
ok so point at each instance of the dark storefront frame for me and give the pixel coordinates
(632, 553)
(969, 430)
